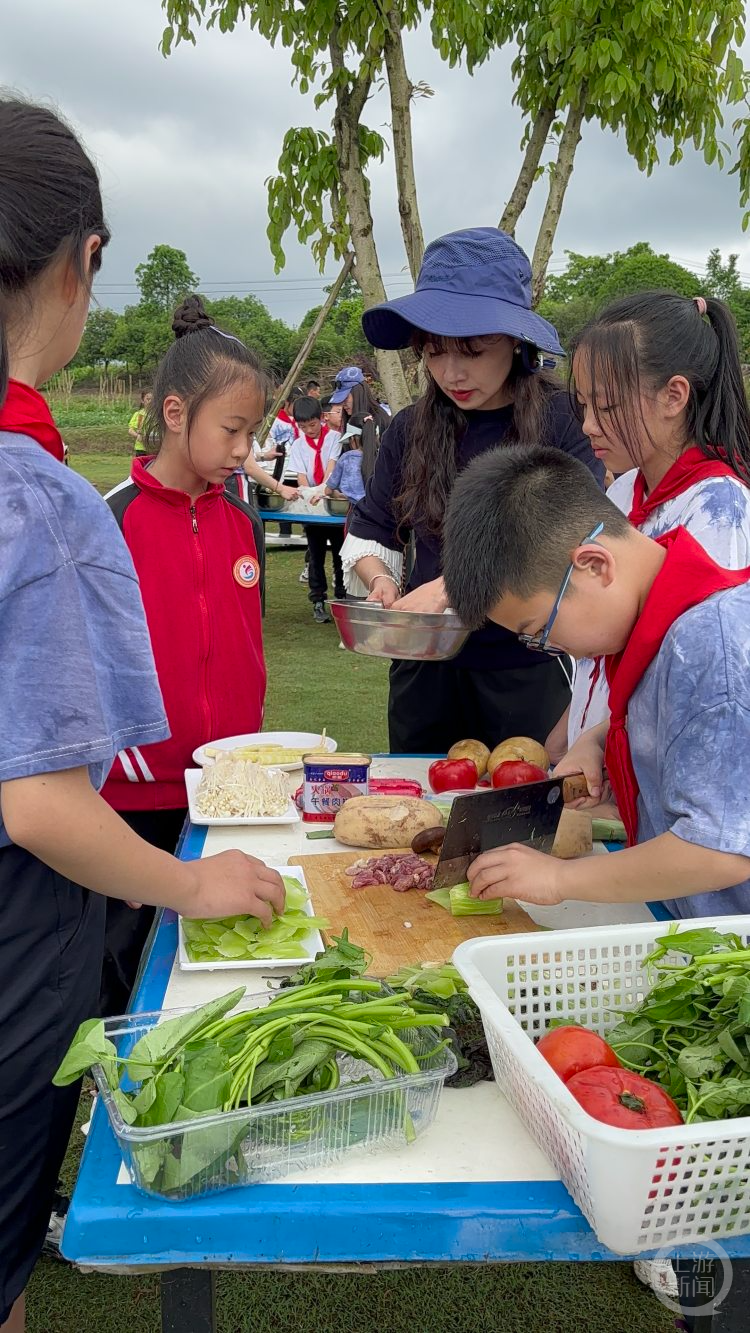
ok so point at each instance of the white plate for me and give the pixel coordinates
(192, 782)
(312, 943)
(297, 740)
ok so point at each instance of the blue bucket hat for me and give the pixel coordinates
(345, 382)
(471, 283)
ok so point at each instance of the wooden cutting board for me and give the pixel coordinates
(376, 916)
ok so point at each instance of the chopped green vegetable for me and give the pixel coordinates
(462, 903)
(442, 982)
(691, 1032)
(244, 938)
(459, 902)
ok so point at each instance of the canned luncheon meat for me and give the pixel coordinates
(331, 779)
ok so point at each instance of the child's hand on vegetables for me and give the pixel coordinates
(233, 884)
(518, 872)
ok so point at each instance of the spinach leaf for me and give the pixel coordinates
(290, 1073)
(730, 1097)
(148, 1159)
(733, 1051)
(88, 1047)
(207, 1079)
(168, 1095)
(632, 1038)
(124, 1106)
(701, 1061)
(202, 1154)
(157, 1046)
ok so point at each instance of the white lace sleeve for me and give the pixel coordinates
(355, 549)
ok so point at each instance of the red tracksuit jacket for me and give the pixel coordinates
(200, 567)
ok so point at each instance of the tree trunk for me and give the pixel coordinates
(306, 347)
(559, 180)
(400, 89)
(350, 101)
(526, 176)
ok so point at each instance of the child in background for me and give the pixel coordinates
(312, 457)
(135, 429)
(333, 414)
(566, 572)
(78, 685)
(661, 395)
(345, 481)
(198, 552)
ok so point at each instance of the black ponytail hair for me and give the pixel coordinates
(201, 363)
(50, 204)
(640, 342)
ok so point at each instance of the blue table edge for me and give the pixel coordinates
(116, 1226)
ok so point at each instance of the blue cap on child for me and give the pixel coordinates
(345, 382)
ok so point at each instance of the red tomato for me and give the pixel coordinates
(453, 775)
(571, 1050)
(626, 1100)
(515, 772)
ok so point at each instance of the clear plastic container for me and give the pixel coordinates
(639, 1189)
(215, 1152)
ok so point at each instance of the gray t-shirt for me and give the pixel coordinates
(689, 733)
(78, 681)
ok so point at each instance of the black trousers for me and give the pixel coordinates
(319, 537)
(51, 937)
(434, 704)
(128, 928)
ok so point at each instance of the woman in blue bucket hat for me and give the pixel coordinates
(482, 348)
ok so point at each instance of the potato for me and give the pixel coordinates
(471, 750)
(384, 821)
(518, 747)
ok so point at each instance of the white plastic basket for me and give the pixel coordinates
(639, 1189)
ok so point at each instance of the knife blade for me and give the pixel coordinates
(481, 821)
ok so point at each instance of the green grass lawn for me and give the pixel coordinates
(312, 684)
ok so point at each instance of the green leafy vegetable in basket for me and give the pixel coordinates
(691, 1032)
(244, 938)
(210, 1061)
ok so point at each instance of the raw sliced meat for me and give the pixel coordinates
(402, 871)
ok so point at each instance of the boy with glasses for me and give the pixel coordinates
(532, 544)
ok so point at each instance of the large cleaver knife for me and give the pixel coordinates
(484, 820)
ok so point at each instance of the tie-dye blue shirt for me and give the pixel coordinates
(689, 733)
(77, 671)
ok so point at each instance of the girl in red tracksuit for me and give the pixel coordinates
(198, 552)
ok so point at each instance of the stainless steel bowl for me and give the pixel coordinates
(364, 627)
(337, 508)
(270, 500)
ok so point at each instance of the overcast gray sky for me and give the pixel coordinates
(184, 147)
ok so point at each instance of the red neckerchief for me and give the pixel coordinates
(691, 467)
(25, 412)
(687, 577)
(288, 421)
(317, 448)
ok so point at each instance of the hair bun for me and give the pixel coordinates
(190, 317)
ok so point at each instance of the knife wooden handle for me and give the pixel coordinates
(574, 788)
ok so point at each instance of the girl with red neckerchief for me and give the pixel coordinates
(79, 685)
(659, 385)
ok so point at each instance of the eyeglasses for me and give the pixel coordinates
(538, 642)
